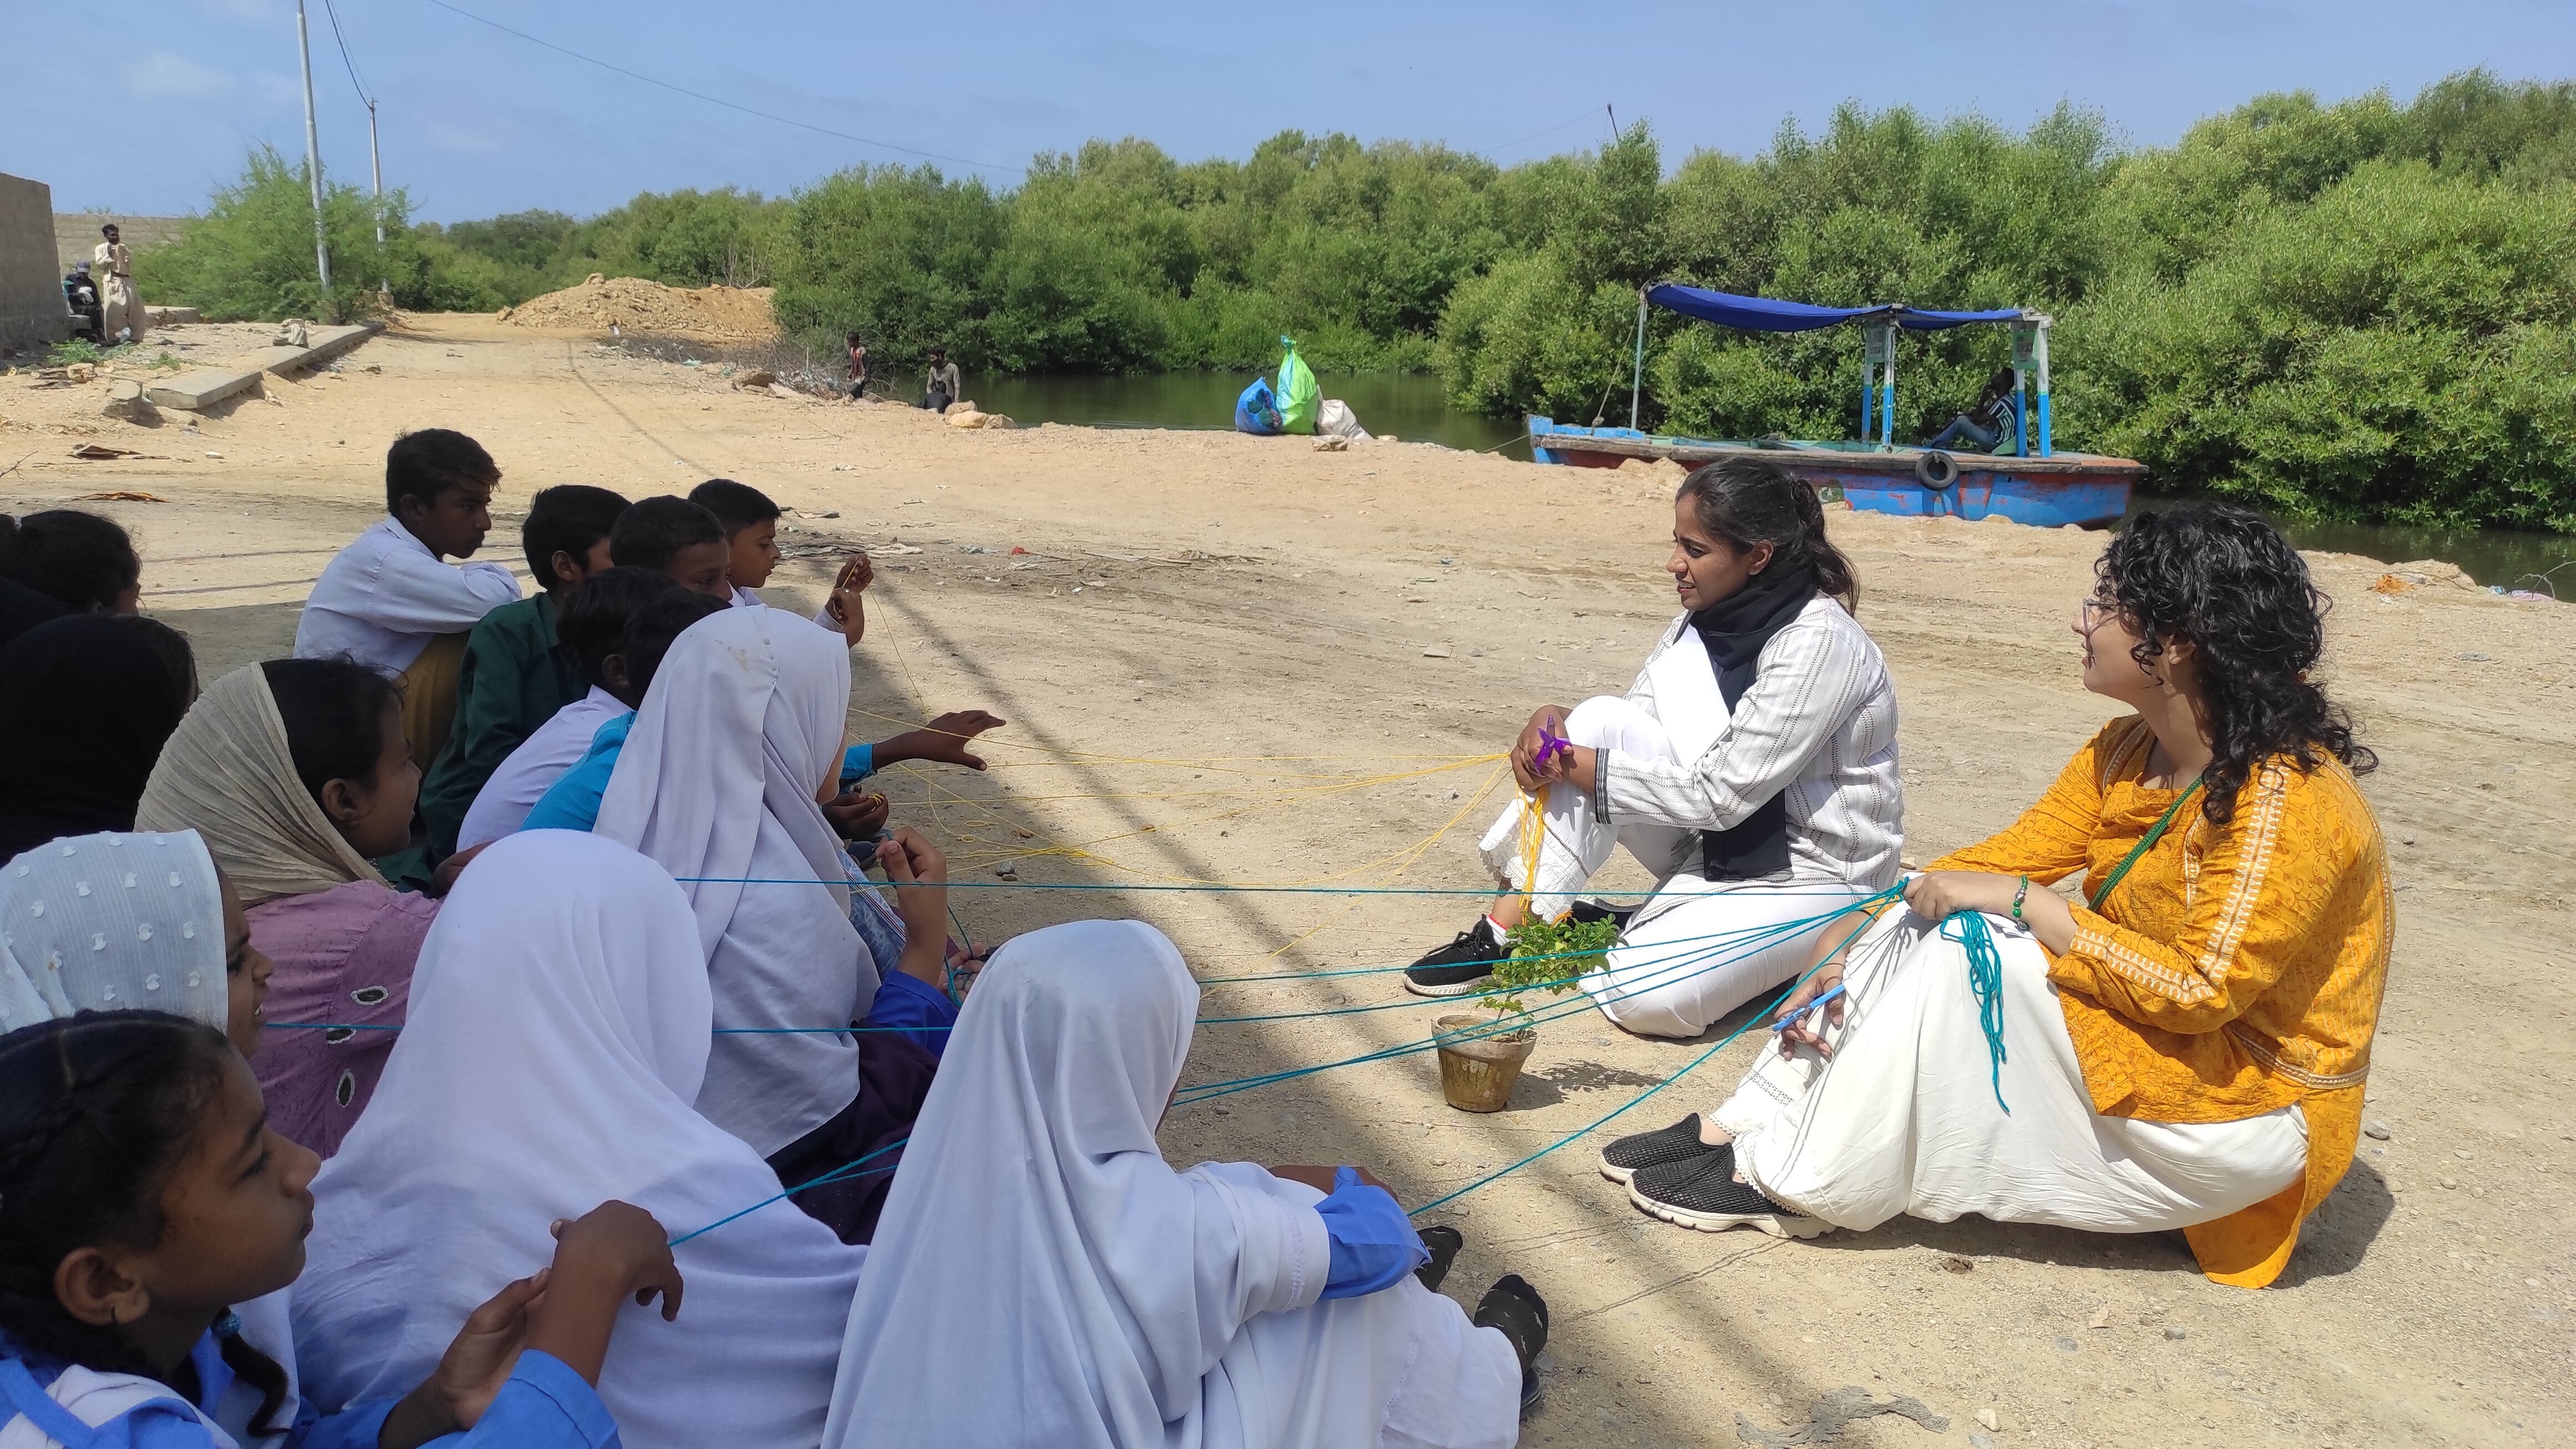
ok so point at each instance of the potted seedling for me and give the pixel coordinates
(1481, 1053)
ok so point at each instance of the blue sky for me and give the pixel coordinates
(145, 105)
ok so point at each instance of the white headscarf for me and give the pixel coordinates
(716, 783)
(558, 1031)
(113, 922)
(228, 774)
(1035, 1240)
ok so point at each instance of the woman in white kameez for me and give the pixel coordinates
(1751, 768)
(1043, 1278)
(2184, 1048)
(558, 1033)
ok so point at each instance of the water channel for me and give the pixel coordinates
(1413, 406)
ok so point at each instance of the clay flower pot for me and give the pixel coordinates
(1478, 1069)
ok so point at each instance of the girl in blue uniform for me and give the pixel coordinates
(142, 1194)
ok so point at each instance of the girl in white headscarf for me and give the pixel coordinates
(1043, 1278)
(558, 1033)
(141, 921)
(126, 922)
(718, 782)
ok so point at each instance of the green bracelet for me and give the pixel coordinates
(2020, 896)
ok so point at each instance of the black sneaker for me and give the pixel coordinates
(1461, 967)
(1442, 1242)
(1586, 912)
(1702, 1193)
(1514, 1308)
(1677, 1143)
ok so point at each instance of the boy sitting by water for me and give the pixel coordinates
(389, 601)
(517, 672)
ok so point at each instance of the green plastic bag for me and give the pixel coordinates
(1299, 397)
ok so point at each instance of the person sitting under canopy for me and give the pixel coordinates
(1988, 422)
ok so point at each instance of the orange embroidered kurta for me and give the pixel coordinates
(2235, 971)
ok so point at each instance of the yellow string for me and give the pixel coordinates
(1284, 797)
(1533, 834)
(1397, 862)
(1400, 859)
(1218, 763)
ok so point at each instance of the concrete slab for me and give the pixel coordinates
(171, 316)
(322, 344)
(32, 313)
(200, 388)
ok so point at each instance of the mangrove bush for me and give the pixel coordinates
(2365, 309)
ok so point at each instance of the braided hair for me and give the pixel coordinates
(1754, 500)
(97, 1110)
(2225, 580)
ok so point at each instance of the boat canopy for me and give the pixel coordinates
(1879, 326)
(1769, 314)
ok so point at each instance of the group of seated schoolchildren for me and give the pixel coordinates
(507, 1021)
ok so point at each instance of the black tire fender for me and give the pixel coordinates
(1936, 470)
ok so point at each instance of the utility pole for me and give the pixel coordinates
(376, 163)
(313, 159)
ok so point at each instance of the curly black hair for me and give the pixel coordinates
(2224, 580)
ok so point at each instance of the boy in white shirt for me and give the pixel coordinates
(389, 600)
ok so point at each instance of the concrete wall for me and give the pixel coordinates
(31, 287)
(76, 232)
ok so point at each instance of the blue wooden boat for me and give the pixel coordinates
(2028, 482)
(2080, 488)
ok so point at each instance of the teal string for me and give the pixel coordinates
(1766, 1014)
(1759, 938)
(1408, 1005)
(1486, 891)
(844, 1171)
(1986, 981)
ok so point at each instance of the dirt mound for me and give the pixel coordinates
(638, 306)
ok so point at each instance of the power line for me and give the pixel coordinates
(343, 41)
(719, 100)
(1534, 135)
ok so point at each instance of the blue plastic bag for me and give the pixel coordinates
(1257, 411)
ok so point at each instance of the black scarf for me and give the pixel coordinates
(1734, 630)
(85, 705)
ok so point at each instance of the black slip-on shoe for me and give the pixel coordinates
(1702, 1193)
(1677, 1143)
(1461, 967)
(1586, 912)
(1513, 1308)
(1443, 1243)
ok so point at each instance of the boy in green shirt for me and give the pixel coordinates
(516, 674)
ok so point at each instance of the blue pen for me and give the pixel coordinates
(1800, 1014)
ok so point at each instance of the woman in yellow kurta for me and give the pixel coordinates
(2185, 1048)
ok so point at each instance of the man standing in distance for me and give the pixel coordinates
(942, 387)
(121, 310)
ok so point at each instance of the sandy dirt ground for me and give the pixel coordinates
(1240, 660)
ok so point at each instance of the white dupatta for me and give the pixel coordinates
(716, 782)
(1042, 1279)
(558, 1031)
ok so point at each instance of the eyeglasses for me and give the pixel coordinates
(2090, 613)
